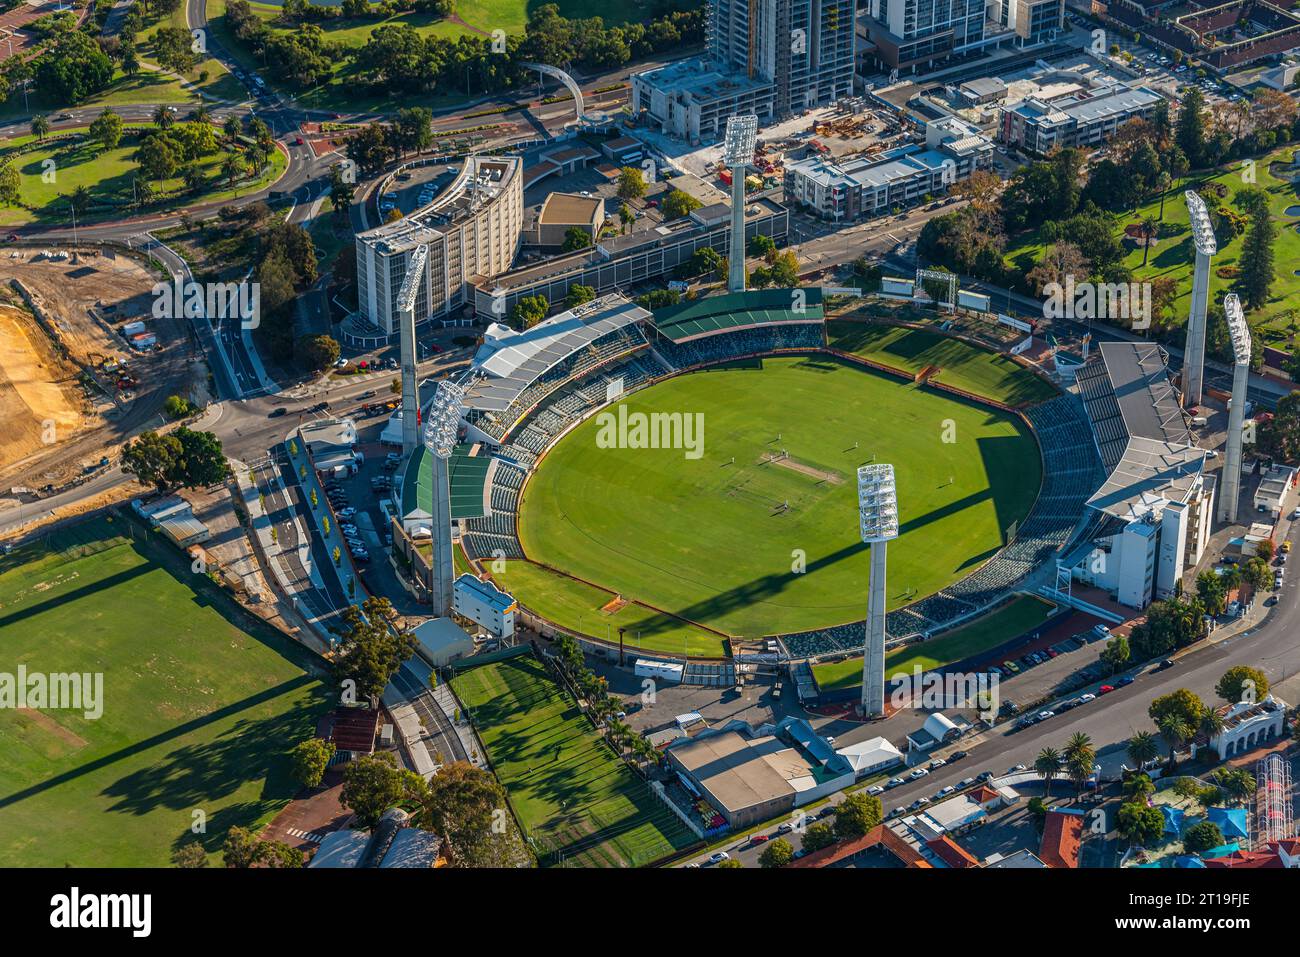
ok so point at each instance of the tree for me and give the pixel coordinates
(1139, 787)
(778, 853)
(1202, 837)
(240, 849)
(817, 836)
(372, 784)
(107, 128)
(1212, 591)
(704, 260)
(678, 203)
(80, 198)
(152, 458)
(1142, 747)
(1116, 653)
(40, 127)
(528, 311)
(341, 189)
(764, 246)
(467, 806)
(1080, 759)
(370, 649)
(130, 61)
(318, 352)
(858, 813)
(310, 758)
(1048, 766)
(1175, 732)
(158, 156)
(190, 855)
(202, 461)
(1140, 825)
(575, 238)
(1182, 703)
(73, 68)
(631, 184)
(1256, 280)
(394, 215)
(176, 407)
(1189, 130)
(578, 294)
(1037, 808)
(11, 185)
(730, 864)
(1238, 784)
(1242, 683)
(172, 49)
(413, 131)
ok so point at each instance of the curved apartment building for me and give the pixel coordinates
(472, 230)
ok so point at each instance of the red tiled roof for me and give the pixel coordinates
(983, 794)
(952, 853)
(879, 834)
(1062, 835)
(1250, 860)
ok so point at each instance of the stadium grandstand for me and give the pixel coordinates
(1151, 515)
(525, 390)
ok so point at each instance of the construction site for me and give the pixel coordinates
(84, 365)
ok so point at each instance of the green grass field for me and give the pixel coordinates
(711, 539)
(1174, 253)
(201, 705)
(108, 175)
(578, 605)
(1015, 618)
(961, 365)
(574, 798)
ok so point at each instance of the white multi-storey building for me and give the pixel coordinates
(472, 230)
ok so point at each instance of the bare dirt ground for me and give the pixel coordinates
(88, 298)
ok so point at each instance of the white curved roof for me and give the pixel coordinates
(938, 725)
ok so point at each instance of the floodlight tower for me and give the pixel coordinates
(1230, 489)
(878, 522)
(738, 153)
(440, 432)
(406, 296)
(1206, 246)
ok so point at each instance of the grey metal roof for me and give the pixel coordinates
(1140, 430)
(533, 353)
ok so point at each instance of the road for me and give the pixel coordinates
(1110, 720)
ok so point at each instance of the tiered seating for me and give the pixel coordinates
(504, 499)
(486, 547)
(728, 345)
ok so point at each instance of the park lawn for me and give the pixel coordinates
(108, 175)
(961, 365)
(577, 606)
(328, 242)
(578, 804)
(201, 705)
(751, 547)
(1174, 253)
(1022, 614)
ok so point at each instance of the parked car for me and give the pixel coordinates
(918, 773)
(937, 763)
(758, 839)
(277, 412)
(957, 756)
(347, 512)
(984, 776)
(944, 792)
(784, 829)
(1105, 689)
(1125, 681)
(1052, 652)
(875, 789)
(368, 394)
(893, 783)
(965, 783)
(1085, 698)
(827, 811)
(1016, 769)
(897, 811)
(718, 857)
(1044, 715)
(920, 802)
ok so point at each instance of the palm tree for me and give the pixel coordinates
(1142, 747)
(1079, 745)
(1211, 724)
(201, 113)
(80, 199)
(40, 127)
(1149, 229)
(231, 166)
(1139, 787)
(163, 117)
(1080, 756)
(1048, 764)
(1174, 730)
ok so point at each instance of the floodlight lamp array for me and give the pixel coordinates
(877, 503)
(443, 422)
